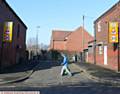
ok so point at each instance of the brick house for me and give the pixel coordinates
(107, 54)
(76, 43)
(58, 40)
(91, 52)
(70, 41)
(11, 52)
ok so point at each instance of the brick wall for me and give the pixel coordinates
(102, 36)
(75, 40)
(59, 45)
(9, 50)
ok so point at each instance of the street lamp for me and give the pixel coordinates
(38, 27)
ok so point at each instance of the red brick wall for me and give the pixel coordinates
(59, 45)
(112, 57)
(74, 42)
(99, 57)
(102, 36)
(90, 58)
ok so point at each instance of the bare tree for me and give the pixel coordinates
(43, 46)
(31, 47)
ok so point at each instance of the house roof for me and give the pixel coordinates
(113, 7)
(14, 13)
(86, 33)
(60, 35)
(87, 36)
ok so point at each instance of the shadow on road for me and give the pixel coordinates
(31, 65)
(100, 72)
(75, 73)
(46, 65)
(20, 67)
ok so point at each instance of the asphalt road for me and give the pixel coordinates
(47, 80)
(48, 73)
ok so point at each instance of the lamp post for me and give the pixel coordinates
(38, 27)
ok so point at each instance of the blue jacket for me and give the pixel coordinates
(65, 61)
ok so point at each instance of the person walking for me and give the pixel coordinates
(65, 66)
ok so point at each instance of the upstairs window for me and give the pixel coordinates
(99, 26)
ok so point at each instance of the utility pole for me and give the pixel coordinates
(83, 33)
(83, 39)
(94, 44)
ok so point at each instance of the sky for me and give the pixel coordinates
(58, 15)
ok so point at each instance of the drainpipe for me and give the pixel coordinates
(118, 42)
(118, 48)
(1, 54)
(119, 53)
(94, 44)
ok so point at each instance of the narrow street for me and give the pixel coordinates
(50, 75)
(47, 80)
(39, 40)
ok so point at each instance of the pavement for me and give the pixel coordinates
(99, 74)
(17, 72)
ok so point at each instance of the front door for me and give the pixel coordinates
(105, 55)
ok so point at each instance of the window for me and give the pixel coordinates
(100, 47)
(90, 49)
(99, 26)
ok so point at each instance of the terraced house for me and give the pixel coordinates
(107, 36)
(12, 36)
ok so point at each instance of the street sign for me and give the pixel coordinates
(113, 32)
(8, 29)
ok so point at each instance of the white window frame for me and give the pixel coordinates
(99, 26)
(100, 48)
(90, 49)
